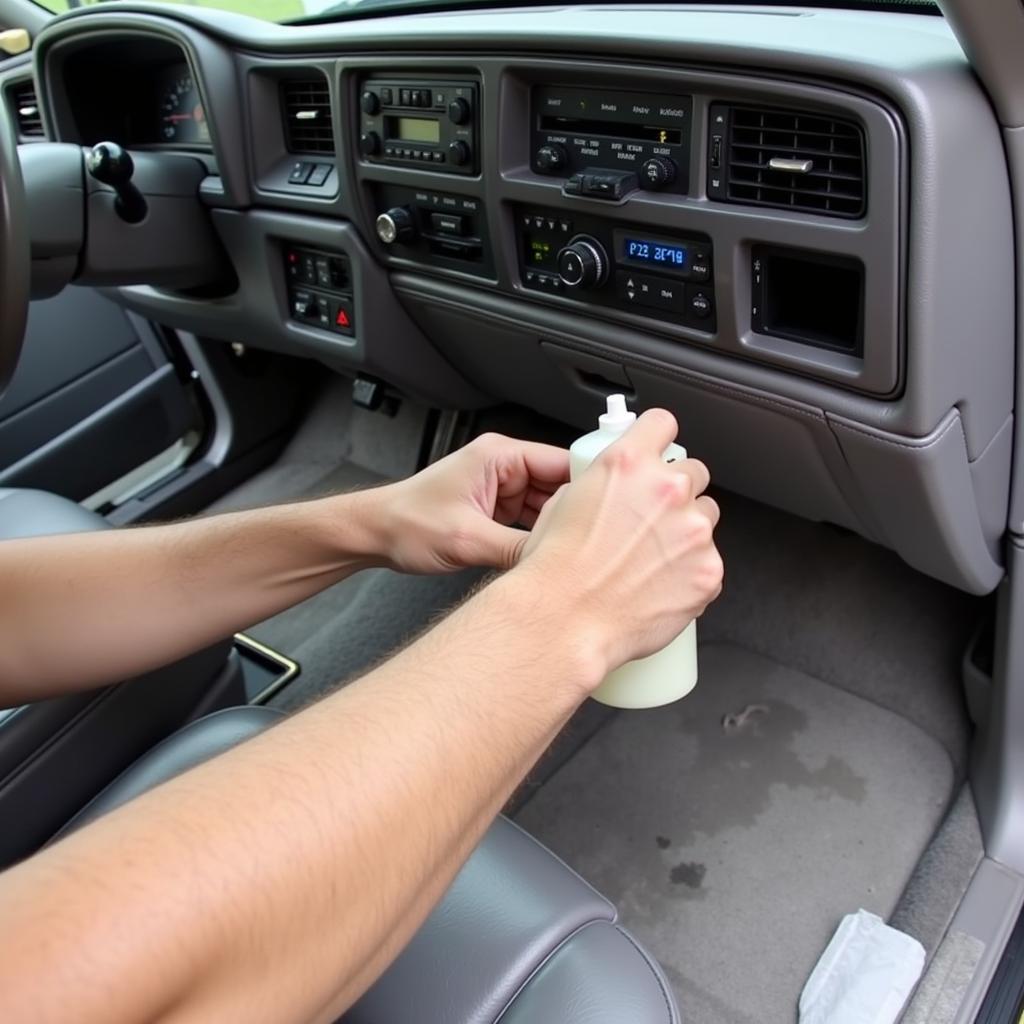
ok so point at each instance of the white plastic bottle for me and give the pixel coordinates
(671, 673)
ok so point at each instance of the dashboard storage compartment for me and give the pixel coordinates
(810, 297)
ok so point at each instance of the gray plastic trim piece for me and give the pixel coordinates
(386, 344)
(997, 765)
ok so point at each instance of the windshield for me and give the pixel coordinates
(312, 10)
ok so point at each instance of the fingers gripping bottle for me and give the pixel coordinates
(670, 673)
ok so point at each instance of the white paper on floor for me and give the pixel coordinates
(864, 976)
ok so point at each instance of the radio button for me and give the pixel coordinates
(370, 102)
(425, 98)
(459, 111)
(415, 97)
(448, 223)
(403, 97)
(701, 304)
(438, 157)
(387, 97)
(369, 144)
(700, 268)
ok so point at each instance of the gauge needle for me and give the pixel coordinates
(178, 117)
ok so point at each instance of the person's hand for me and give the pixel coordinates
(626, 551)
(459, 511)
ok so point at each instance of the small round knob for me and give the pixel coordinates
(370, 102)
(583, 263)
(657, 172)
(551, 157)
(458, 111)
(397, 225)
(110, 163)
(369, 143)
(458, 153)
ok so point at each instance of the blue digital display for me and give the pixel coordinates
(658, 253)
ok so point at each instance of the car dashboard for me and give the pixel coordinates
(791, 227)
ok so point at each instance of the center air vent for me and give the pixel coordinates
(787, 158)
(307, 116)
(23, 105)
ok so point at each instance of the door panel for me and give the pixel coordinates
(90, 401)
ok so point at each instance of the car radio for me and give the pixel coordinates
(425, 124)
(667, 276)
(606, 143)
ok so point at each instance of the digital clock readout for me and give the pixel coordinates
(657, 253)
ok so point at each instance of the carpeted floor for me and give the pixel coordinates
(734, 853)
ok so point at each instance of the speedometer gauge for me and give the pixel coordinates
(181, 114)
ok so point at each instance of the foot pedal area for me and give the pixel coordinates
(264, 670)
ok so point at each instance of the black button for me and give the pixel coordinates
(387, 96)
(701, 304)
(307, 268)
(574, 185)
(323, 272)
(403, 97)
(440, 99)
(448, 223)
(319, 174)
(565, 226)
(299, 172)
(390, 151)
(415, 97)
(538, 223)
(531, 277)
(700, 267)
(425, 98)
(437, 156)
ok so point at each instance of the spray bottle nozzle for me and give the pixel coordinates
(618, 417)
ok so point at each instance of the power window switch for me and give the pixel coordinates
(300, 172)
(319, 174)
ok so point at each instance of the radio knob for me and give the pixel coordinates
(370, 102)
(458, 111)
(459, 153)
(397, 225)
(583, 263)
(551, 157)
(369, 143)
(658, 172)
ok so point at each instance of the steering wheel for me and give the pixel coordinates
(15, 259)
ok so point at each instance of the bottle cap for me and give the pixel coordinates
(618, 418)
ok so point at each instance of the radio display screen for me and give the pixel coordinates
(415, 129)
(660, 254)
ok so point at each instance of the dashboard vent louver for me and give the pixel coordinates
(26, 111)
(307, 116)
(795, 160)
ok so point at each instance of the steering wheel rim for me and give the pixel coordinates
(15, 256)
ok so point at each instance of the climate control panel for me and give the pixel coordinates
(667, 276)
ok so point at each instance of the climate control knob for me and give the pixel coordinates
(397, 225)
(583, 263)
(551, 157)
(657, 172)
(370, 102)
(369, 143)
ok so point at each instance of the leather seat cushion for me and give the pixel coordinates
(518, 937)
(28, 513)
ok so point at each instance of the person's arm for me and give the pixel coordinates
(83, 609)
(277, 881)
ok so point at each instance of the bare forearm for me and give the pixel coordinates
(304, 859)
(85, 609)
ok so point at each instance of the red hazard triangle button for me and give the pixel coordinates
(342, 319)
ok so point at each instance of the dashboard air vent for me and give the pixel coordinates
(307, 116)
(791, 159)
(26, 111)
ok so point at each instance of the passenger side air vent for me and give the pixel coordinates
(307, 116)
(791, 159)
(26, 113)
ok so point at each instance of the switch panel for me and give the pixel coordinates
(319, 289)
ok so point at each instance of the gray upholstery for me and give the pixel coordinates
(58, 753)
(518, 936)
(28, 513)
(196, 742)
